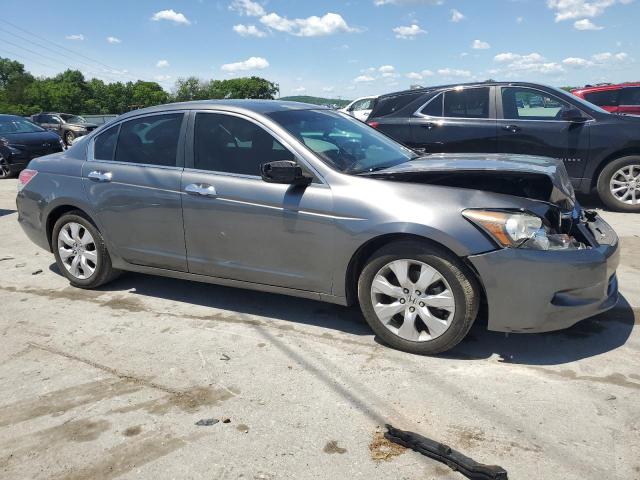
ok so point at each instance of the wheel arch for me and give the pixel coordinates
(610, 158)
(366, 250)
(54, 215)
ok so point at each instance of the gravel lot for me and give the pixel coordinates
(110, 383)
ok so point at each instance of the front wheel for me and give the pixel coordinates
(80, 252)
(417, 297)
(5, 169)
(619, 184)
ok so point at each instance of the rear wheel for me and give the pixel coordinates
(80, 252)
(418, 298)
(68, 138)
(619, 184)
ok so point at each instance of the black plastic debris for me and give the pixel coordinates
(37, 272)
(225, 357)
(445, 454)
(207, 422)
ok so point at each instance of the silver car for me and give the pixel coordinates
(295, 199)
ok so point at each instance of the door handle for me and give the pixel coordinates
(512, 128)
(202, 189)
(99, 176)
(429, 125)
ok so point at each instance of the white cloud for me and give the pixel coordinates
(162, 78)
(328, 89)
(586, 24)
(299, 89)
(313, 26)
(573, 9)
(253, 63)
(454, 72)
(576, 62)
(519, 20)
(456, 16)
(162, 64)
(531, 63)
(113, 40)
(420, 75)
(76, 37)
(480, 45)
(408, 32)
(364, 79)
(387, 71)
(171, 16)
(248, 31)
(607, 57)
(247, 7)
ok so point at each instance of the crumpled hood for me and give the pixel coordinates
(540, 178)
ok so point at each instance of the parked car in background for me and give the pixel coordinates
(66, 125)
(360, 108)
(623, 98)
(20, 141)
(600, 151)
(298, 199)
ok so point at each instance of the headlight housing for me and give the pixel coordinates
(520, 230)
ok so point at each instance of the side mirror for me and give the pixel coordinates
(284, 171)
(572, 114)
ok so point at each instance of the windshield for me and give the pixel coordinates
(72, 118)
(341, 142)
(582, 101)
(18, 125)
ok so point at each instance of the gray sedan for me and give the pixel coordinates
(300, 200)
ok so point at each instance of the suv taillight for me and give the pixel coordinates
(25, 177)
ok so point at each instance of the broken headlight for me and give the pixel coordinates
(520, 230)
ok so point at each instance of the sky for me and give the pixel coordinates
(332, 48)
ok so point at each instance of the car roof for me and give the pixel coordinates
(463, 85)
(604, 88)
(236, 105)
(4, 116)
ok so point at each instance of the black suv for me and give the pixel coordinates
(600, 150)
(68, 126)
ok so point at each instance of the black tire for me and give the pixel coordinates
(104, 272)
(69, 137)
(5, 169)
(461, 281)
(604, 179)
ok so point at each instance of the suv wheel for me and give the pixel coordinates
(619, 184)
(68, 138)
(80, 252)
(418, 298)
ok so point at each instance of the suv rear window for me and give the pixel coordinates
(467, 103)
(630, 96)
(393, 103)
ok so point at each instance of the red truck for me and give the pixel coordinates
(620, 98)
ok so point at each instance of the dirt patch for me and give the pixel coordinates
(382, 449)
(242, 428)
(467, 437)
(189, 401)
(332, 447)
(617, 379)
(133, 431)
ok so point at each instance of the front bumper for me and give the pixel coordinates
(541, 291)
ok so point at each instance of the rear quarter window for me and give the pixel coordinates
(393, 103)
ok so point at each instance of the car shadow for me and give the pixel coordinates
(4, 211)
(594, 336)
(591, 201)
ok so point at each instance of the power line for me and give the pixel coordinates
(105, 71)
(64, 48)
(17, 55)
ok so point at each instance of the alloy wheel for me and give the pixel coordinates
(5, 171)
(625, 185)
(77, 250)
(413, 300)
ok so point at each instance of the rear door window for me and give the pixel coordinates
(105, 144)
(530, 104)
(391, 104)
(608, 98)
(151, 140)
(467, 103)
(630, 96)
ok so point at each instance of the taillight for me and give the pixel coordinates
(374, 124)
(25, 177)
